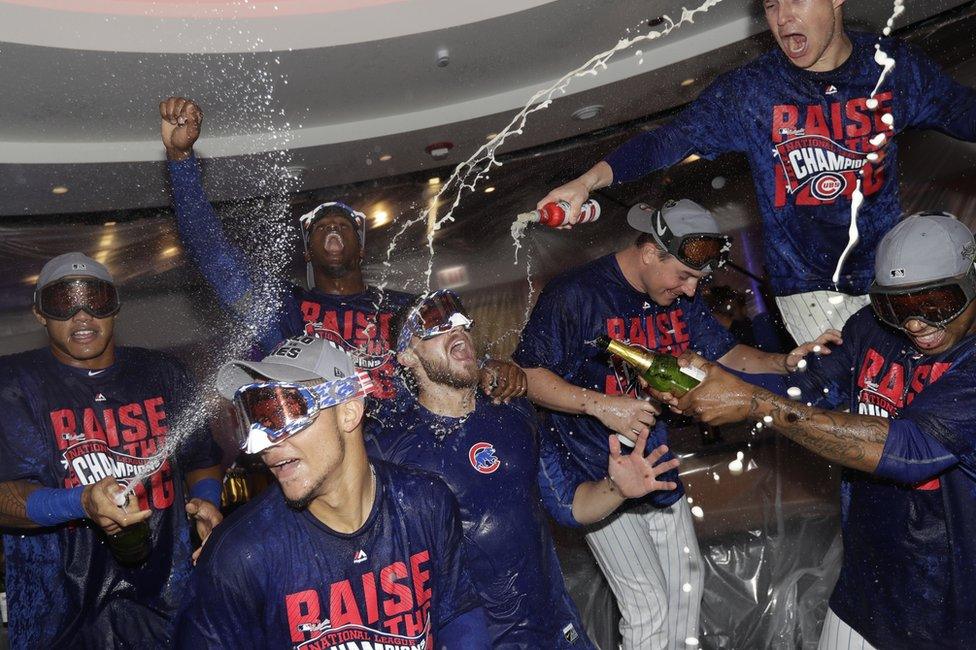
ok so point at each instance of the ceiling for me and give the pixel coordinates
(350, 90)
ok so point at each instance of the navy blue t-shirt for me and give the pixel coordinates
(359, 323)
(498, 468)
(63, 427)
(274, 577)
(806, 135)
(593, 300)
(908, 574)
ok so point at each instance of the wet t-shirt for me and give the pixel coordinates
(592, 300)
(63, 427)
(501, 472)
(908, 574)
(275, 577)
(807, 136)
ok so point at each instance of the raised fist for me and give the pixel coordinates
(181, 120)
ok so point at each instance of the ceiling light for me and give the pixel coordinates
(687, 82)
(436, 180)
(109, 223)
(59, 189)
(439, 150)
(385, 157)
(31, 279)
(169, 252)
(587, 112)
(690, 159)
(489, 190)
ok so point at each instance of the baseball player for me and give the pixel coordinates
(645, 294)
(80, 418)
(337, 305)
(499, 465)
(907, 370)
(343, 552)
(805, 118)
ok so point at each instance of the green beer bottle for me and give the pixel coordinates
(661, 371)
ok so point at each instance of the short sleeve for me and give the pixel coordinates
(552, 333)
(708, 338)
(558, 478)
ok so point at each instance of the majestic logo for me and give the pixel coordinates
(830, 90)
(819, 162)
(93, 460)
(359, 557)
(482, 457)
(100, 398)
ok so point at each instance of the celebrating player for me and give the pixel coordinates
(645, 293)
(498, 464)
(908, 374)
(337, 305)
(81, 418)
(344, 551)
(805, 117)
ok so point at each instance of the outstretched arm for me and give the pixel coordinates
(220, 262)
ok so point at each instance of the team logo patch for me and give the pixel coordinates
(482, 457)
(826, 166)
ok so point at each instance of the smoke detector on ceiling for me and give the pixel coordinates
(587, 112)
(439, 150)
(443, 57)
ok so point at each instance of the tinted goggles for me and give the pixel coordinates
(701, 252)
(63, 299)
(268, 412)
(438, 313)
(935, 304)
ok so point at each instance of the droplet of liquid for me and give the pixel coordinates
(698, 512)
(794, 393)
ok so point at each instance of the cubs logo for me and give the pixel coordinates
(820, 162)
(482, 457)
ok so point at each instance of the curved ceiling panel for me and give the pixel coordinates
(169, 26)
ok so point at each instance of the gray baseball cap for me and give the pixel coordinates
(71, 264)
(299, 359)
(680, 218)
(924, 247)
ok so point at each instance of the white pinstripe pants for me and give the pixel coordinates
(838, 635)
(648, 556)
(808, 315)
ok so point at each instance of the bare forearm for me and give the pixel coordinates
(855, 441)
(598, 176)
(748, 359)
(13, 504)
(593, 501)
(549, 390)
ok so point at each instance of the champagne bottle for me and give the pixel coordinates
(661, 371)
(554, 214)
(130, 546)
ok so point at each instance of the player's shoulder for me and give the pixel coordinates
(246, 535)
(518, 408)
(420, 488)
(14, 365)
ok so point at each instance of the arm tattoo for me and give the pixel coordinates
(852, 440)
(13, 504)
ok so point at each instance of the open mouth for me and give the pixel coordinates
(284, 468)
(460, 350)
(795, 45)
(334, 244)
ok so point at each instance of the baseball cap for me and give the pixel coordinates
(309, 219)
(924, 247)
(298, 359)
(679, 218)
(71, 264)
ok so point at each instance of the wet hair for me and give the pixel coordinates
(647, 238)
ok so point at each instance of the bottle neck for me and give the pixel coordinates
(636, 357)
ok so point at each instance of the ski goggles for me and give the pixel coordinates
(937, 303)
(63, 299)
(358, 219)
(436, 314)
(270, 411)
